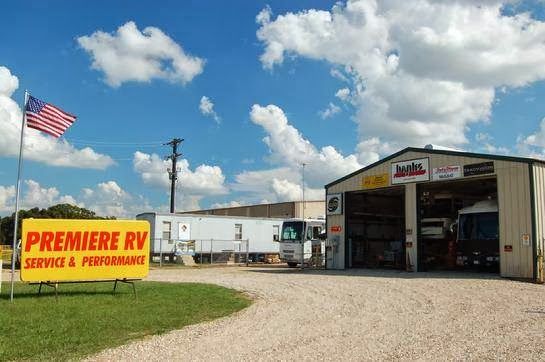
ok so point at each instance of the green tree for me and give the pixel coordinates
(60, 211)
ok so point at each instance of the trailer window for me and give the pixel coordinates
(166, 230)
(276, 232)
(238, 231)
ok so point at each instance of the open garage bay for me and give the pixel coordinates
(356, 315)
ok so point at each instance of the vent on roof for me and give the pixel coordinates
(437, 147)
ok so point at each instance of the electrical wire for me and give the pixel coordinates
(114, 143)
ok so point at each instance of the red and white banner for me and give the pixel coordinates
(411, 171)
(446, 173)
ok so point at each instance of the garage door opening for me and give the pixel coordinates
(375, 228)
(459, 228)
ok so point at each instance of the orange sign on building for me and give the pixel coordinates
(375, 181)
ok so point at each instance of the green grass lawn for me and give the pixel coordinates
(87, 318)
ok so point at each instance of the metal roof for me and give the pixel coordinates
(208, 216)
(438, 152)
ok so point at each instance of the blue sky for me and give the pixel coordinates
(332, 86)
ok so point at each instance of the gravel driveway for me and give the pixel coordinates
(356, 315)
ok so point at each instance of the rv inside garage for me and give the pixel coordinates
(459, 225)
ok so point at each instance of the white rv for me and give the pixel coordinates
(301, 236)
(212, 236)
(478, 236)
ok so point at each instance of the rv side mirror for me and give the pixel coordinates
(454, 227)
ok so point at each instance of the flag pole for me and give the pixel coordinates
(17, 191)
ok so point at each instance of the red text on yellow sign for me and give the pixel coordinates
(67, 250)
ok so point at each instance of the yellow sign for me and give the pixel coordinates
(375, 181)
(63, 250)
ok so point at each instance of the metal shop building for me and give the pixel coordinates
(427, 209)
(283, 210)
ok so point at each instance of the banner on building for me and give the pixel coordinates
(375, 181)
(411, 171)
(482, 168)
(68, 250)
(446, 173)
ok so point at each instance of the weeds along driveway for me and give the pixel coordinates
(356, 315)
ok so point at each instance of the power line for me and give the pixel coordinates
(102, 145)
(114, 143)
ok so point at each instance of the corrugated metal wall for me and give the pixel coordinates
(313, 209)
(513, 182)
(285, 210)
(515, 218)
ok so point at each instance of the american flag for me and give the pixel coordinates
(47, 118)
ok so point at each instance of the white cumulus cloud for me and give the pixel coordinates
(37, 196)
(7, 197)
(289, 191)
(222, 205)
(257, 185)
(207, 108)
(204, 180)
(110, 199)
(105, 199)
(288, 151)
(32, 195)
(8, 82)
(140, 56)
(288, 147)
(343, 94)
(193, 185)
(422, 71)
(38, 146)
(336, 73)
(331, 110)
(537, 138)
(533, 145)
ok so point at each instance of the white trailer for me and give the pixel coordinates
(213, 235)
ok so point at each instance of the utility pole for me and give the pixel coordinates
(173, 172)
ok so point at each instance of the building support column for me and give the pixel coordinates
(411, 227)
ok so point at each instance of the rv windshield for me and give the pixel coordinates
(292, 230)
(479, 226)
